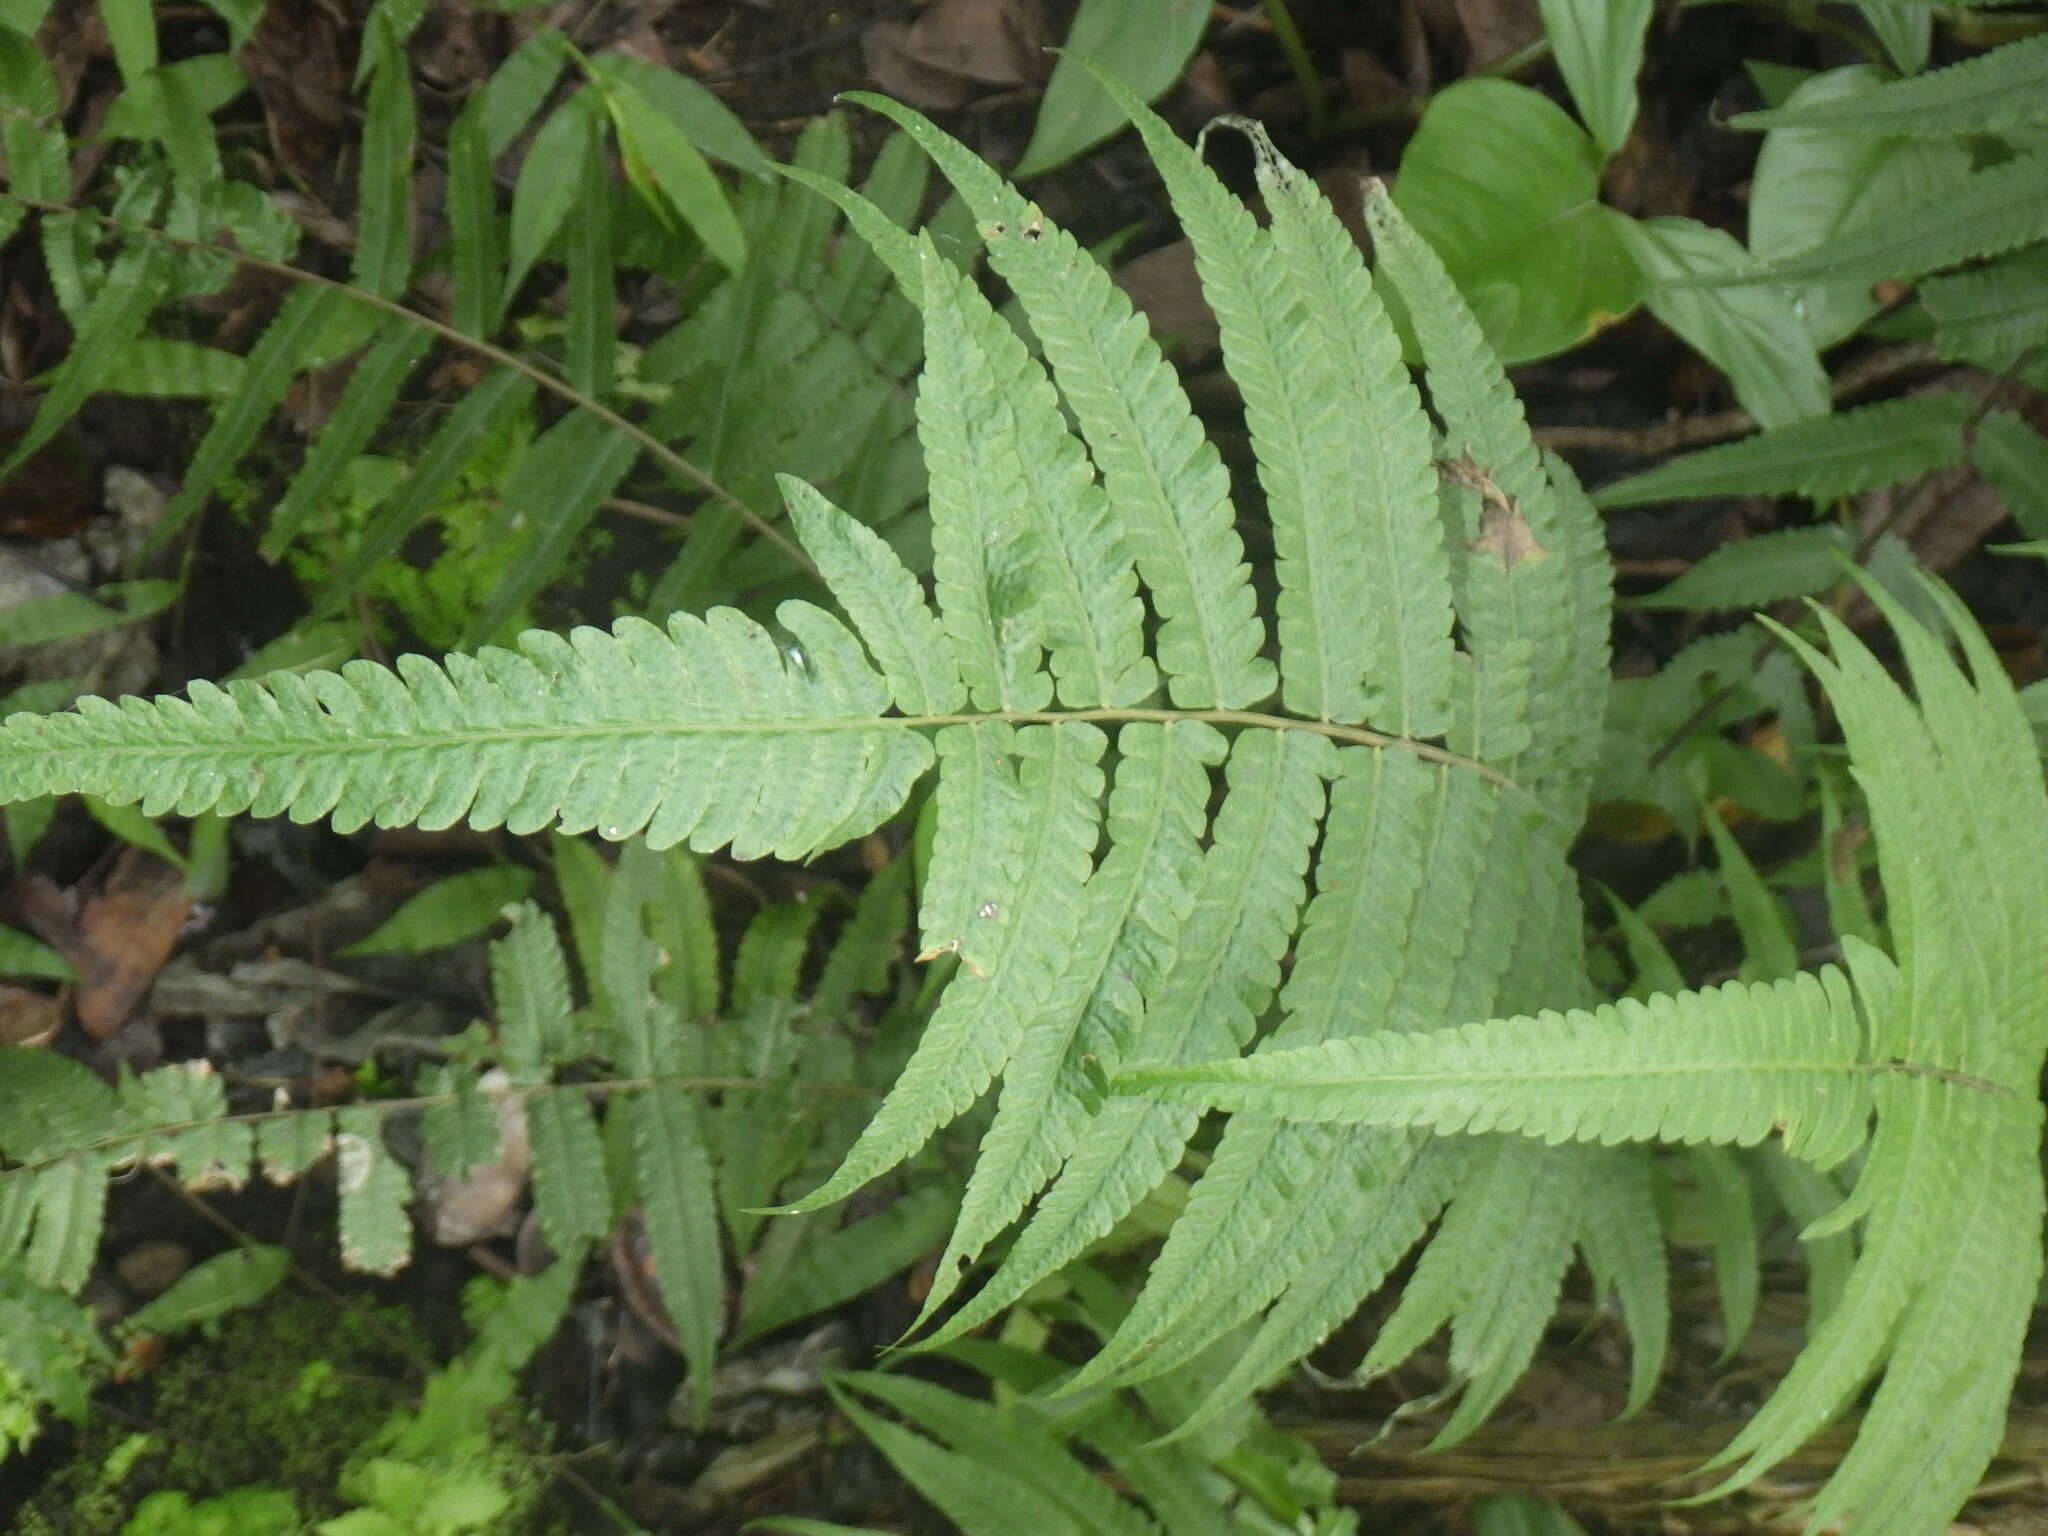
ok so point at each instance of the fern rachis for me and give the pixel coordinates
(1387, 856)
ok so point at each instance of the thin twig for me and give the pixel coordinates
(1866, 373)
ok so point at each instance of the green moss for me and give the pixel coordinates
(279, 1396)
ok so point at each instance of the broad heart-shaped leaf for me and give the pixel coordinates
(1506, 187)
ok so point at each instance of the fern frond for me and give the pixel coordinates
(376, 1234)
(1352, 363)
(2010, 454)
(1987, 214)
(1000, 1474)
(571, 1194)
(671, 1175)
(1010, 914)
(1266, 332)
(1756, 572)
(383, 249)
(1021, 478)
(1732, 1064)
(530, 985)
(1164, 477)
(1137, 903)
(673, 734)
(2004, 89)
(1822, 459)
(883, 601)
(1532, 583)
(1496, 1311)
(1247, 894)
(1993, 313)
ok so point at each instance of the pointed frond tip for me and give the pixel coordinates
(714, 731)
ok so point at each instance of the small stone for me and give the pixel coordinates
(151, 1267)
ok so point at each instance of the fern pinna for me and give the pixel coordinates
(1402, 762)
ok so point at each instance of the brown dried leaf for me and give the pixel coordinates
(27, 1018)
(1504, 532)
(124, 935)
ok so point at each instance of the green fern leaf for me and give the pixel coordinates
(548, 185)
(631, 730)
(1211, 1000)
(1247, 894)
(1724, 1192)
(669, 169)
(1323, 658)
(1991, 314)
(1326, 1290)
(188, 1102)
(383, 254)
(1136, 904)
(1823, 459)
(288, 1145)
(2004, 89)
(70, 1213)
(883, 600)
(1496, 1312)
(530, 986)
(152, 365)
(671, 1172)
(1352, 366)
(463, 1133)
(1727, 1065)
(1164, 477)
(518, 87)
(2014, 458)
(376, 1236)
(1989, 213)
(1756, 572)
(1030, 482)
(1626, 1260)
(1036, 1481)
(373, 387)
(1010, 914)
(591, 316)
(51, 1105)
(476, 253)
(1533, 589)
(978, 568)
(571, 1194)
